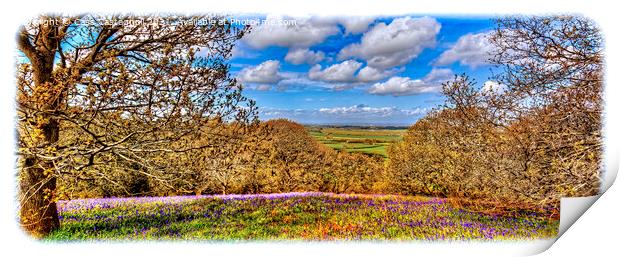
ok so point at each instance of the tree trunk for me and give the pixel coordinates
(38, 214)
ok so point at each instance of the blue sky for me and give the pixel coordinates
(358, 70)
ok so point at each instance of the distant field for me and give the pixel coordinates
(364, 140)
(289, 216)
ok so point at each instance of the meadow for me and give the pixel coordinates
(373, 141)
(289, 216)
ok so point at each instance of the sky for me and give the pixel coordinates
(358, 70)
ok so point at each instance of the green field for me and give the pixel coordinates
(373, 141)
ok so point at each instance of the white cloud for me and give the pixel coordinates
(493, 87)
(345, 72)
(370, 74)
(356, 25)
(264, 73)
(367, 110)
(401, 86)
(306, 32)
(340, 72)
(472, 50)
(241, 52)
(299, 80)
(356, 114)
(396, 44)
(304, 55)
(263, 87)
(438, 75)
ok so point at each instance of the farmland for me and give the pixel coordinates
(289, 216)
(374, 141)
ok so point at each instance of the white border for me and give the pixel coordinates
(16, 12)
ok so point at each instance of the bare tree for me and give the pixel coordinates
(552, 68)
(94, 89)
(532, 139)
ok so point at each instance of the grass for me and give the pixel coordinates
(291, 216)
(368, 141)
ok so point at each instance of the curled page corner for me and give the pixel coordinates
(571, 208)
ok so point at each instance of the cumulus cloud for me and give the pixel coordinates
(264, 73)
(263, 87)
(493, 87)
(439, 75)
(303, 33)
(304, 55)
(401, 86)
(239, 51)
(340, 72)
(356, 25)
(394, 44)
(299, 81)
(472, 50)
(347, 72)
(370, 74)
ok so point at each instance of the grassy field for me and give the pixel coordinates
(366, 140)
(290, 216)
